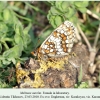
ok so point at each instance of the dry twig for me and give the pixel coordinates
(93, 15)
(84, 37)
(97, 37)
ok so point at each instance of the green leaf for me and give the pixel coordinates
(58, 4)
(58, 20)
(81, 3)
(6, 62)
(34, 39)
(27, 38)
(1, 63)
(3, 85)
(27, 42)
(14, 52)
(3, 28)
(18, 28)
(70, 13)
(1, 57)
(55, 11)
(18, 39)
(49, 15)
(73, 19)
(23, 59)
(82, 85)
(61, 6)
(12, 60)
(64, 6)
(7, 15)
(51, 20)
(82, 10)
(2, 5)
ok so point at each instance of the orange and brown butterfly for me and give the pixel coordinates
(59, 43)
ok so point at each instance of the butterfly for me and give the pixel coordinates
(59, 43)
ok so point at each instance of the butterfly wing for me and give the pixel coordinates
(60, 42)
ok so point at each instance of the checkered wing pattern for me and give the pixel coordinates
(60, 42)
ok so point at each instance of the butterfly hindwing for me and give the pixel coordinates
(60, 42)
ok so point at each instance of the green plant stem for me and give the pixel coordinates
(22, 12)
(34, 21)
(8, 39)
(36, 9)
(22, 17)
(5, 45)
